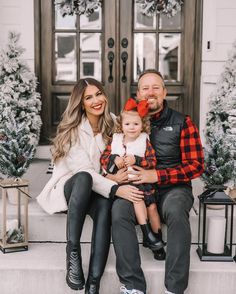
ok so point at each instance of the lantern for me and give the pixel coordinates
(215, 232)
(14, 218)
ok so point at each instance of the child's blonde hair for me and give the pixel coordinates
(145, 121)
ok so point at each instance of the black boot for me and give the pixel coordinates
(151, 240)
(159, 254)
(92, 287)
(74, 276)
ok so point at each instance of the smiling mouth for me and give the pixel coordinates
(98, 107)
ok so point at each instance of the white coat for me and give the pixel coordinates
(84, 155)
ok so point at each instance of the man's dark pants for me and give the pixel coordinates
(174, 205)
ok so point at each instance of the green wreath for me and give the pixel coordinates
(69, 7)
(152, 7)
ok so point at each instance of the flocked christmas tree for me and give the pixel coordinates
(20, 105)
(220, 152)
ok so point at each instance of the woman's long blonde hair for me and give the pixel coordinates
(67, 129)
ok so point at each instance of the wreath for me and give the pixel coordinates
(152, 7)
(69, 7)
(147, 7)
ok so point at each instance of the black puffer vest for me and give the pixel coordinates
(165, 137)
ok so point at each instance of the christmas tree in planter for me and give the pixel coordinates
(20, 105)
(220, 152)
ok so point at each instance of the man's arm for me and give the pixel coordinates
(192, 165)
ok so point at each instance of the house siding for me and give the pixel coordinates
(219, 28)
(18, 15)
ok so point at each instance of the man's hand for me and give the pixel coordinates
(120, 177)
(129, 160)
(130, 193)
(142, 176)
(119, 162)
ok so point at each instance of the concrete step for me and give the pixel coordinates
(41, 270)
(44, 227)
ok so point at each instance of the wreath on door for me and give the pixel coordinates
(147, 7)
(152, 7)
(69, 7)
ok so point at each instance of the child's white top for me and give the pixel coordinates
(137, 147)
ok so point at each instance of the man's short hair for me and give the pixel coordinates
(152, 71)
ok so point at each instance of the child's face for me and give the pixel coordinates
(131, 125)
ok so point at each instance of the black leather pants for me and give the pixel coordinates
(81, 201)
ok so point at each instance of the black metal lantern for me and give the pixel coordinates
(215, 233)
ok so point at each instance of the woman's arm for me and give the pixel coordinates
(78, 160)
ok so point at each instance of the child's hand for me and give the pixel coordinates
(119, 162)
(129, 160)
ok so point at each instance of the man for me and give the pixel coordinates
(179, 160)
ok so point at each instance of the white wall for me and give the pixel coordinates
(219, 27)
(18, 15)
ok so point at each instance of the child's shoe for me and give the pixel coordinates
(151, 240)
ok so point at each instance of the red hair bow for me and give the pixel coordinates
(141, 107)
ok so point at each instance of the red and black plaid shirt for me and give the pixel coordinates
(192, 165)
(147, 162)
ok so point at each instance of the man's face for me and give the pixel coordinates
(151, 87)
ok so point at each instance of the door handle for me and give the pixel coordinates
(110, 57)
(124, 57)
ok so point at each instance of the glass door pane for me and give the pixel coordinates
(144, 53)
(90, 55)
(65, 57)
(169, 56)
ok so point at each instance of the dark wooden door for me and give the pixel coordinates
(114, 45)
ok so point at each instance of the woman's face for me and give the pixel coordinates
(94, 101)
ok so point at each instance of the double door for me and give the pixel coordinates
(114, 45)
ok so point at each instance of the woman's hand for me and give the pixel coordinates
(119, 162)
(120, 177)
(130, 193)
(129, 160)
(142, 176)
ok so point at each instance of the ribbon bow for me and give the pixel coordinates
(141, 107)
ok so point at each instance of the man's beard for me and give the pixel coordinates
(158, 107)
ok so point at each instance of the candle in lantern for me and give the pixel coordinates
(216, 234)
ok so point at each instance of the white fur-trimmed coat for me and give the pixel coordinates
(84, 155)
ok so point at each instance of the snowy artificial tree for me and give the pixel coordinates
(220, 151)
(20, 105)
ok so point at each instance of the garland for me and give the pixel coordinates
(69, 7)
(152, 7)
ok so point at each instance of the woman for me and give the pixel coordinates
(77, 184)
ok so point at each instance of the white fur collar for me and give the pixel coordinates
(137, 147)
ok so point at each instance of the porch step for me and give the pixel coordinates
(41, 270)
(45, 227)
